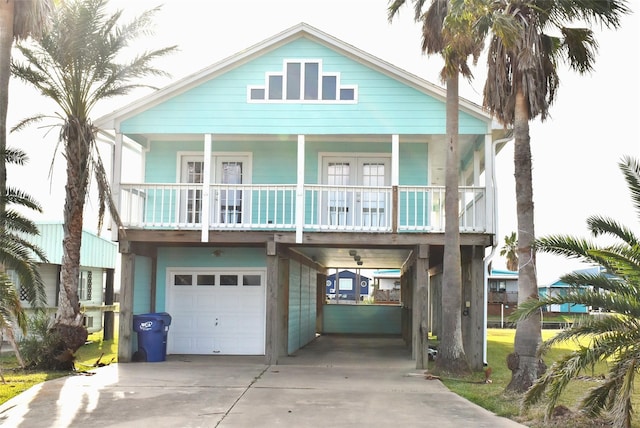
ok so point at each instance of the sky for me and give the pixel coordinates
(594, 122)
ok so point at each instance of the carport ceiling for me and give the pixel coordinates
(346, 258)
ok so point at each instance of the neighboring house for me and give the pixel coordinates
(502, 297)
(97, 264)
(268, 169)
(386, 285)
(559, 288)
(348, 286)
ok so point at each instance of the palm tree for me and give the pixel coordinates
(444, 31)
(613, 338)
(521, 85)
(76, 64)
(16, 251)
(510, 251)
(19, 19)
(20, 255)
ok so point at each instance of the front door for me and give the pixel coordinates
(190, 202)
(227, 205)
(351, 201)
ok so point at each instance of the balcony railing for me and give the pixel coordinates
(275, 207)
(506, 297)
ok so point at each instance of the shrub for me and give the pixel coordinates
(43, 348)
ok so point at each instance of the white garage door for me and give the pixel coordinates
(216, 312)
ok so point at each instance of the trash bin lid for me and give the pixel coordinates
(158, 316)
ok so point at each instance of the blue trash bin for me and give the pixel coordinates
(153, 330)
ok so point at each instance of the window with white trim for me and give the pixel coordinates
(302, 81)
(85, 285)
(15, 279)
(217, 279)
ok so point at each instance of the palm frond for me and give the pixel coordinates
(566, 246)
(630, 168)
(15, 156)
(11, 311)
(599, 226)
(22, 198)
(24, 123)
(579, 48)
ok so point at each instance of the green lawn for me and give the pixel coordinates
(492, 396)
(18, 380)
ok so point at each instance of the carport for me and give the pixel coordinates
(412, 320)
(343, 319)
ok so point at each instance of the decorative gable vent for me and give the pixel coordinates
(302, 81)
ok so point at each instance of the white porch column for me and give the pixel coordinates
(395, 160)
(206, 188)
(116, 179)
(489, 185)
(300, 191)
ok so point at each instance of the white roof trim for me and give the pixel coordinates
(112, 120)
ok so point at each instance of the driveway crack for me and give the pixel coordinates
(255, 379)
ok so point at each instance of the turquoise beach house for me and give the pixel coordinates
(264, 173)
(561, 288)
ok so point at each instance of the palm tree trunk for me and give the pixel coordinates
(525, 366)
(451, 355)
(77, 137)
(7, 10)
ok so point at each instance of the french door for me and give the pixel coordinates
(226, 197)
(351, 201)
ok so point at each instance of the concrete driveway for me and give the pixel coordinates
(333, 382)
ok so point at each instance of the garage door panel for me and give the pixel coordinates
(183, 301)
(183, 344)
(182, 324)
(241, 345)
(217, 319)
(204, 345)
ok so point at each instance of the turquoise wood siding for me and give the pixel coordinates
(385, 105)
(141, 285)
(361, 319)
(295, 295)
(565, 307)
(414, 159)
(180, 257)
(302, 306)
(275, 162)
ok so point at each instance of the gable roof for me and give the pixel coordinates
(113, 119)
(593, 270)
(347, 274)
(95, 251)
(503, 274)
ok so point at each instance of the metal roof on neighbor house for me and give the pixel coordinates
(593, 270)
(94, 252)
(503, 274)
